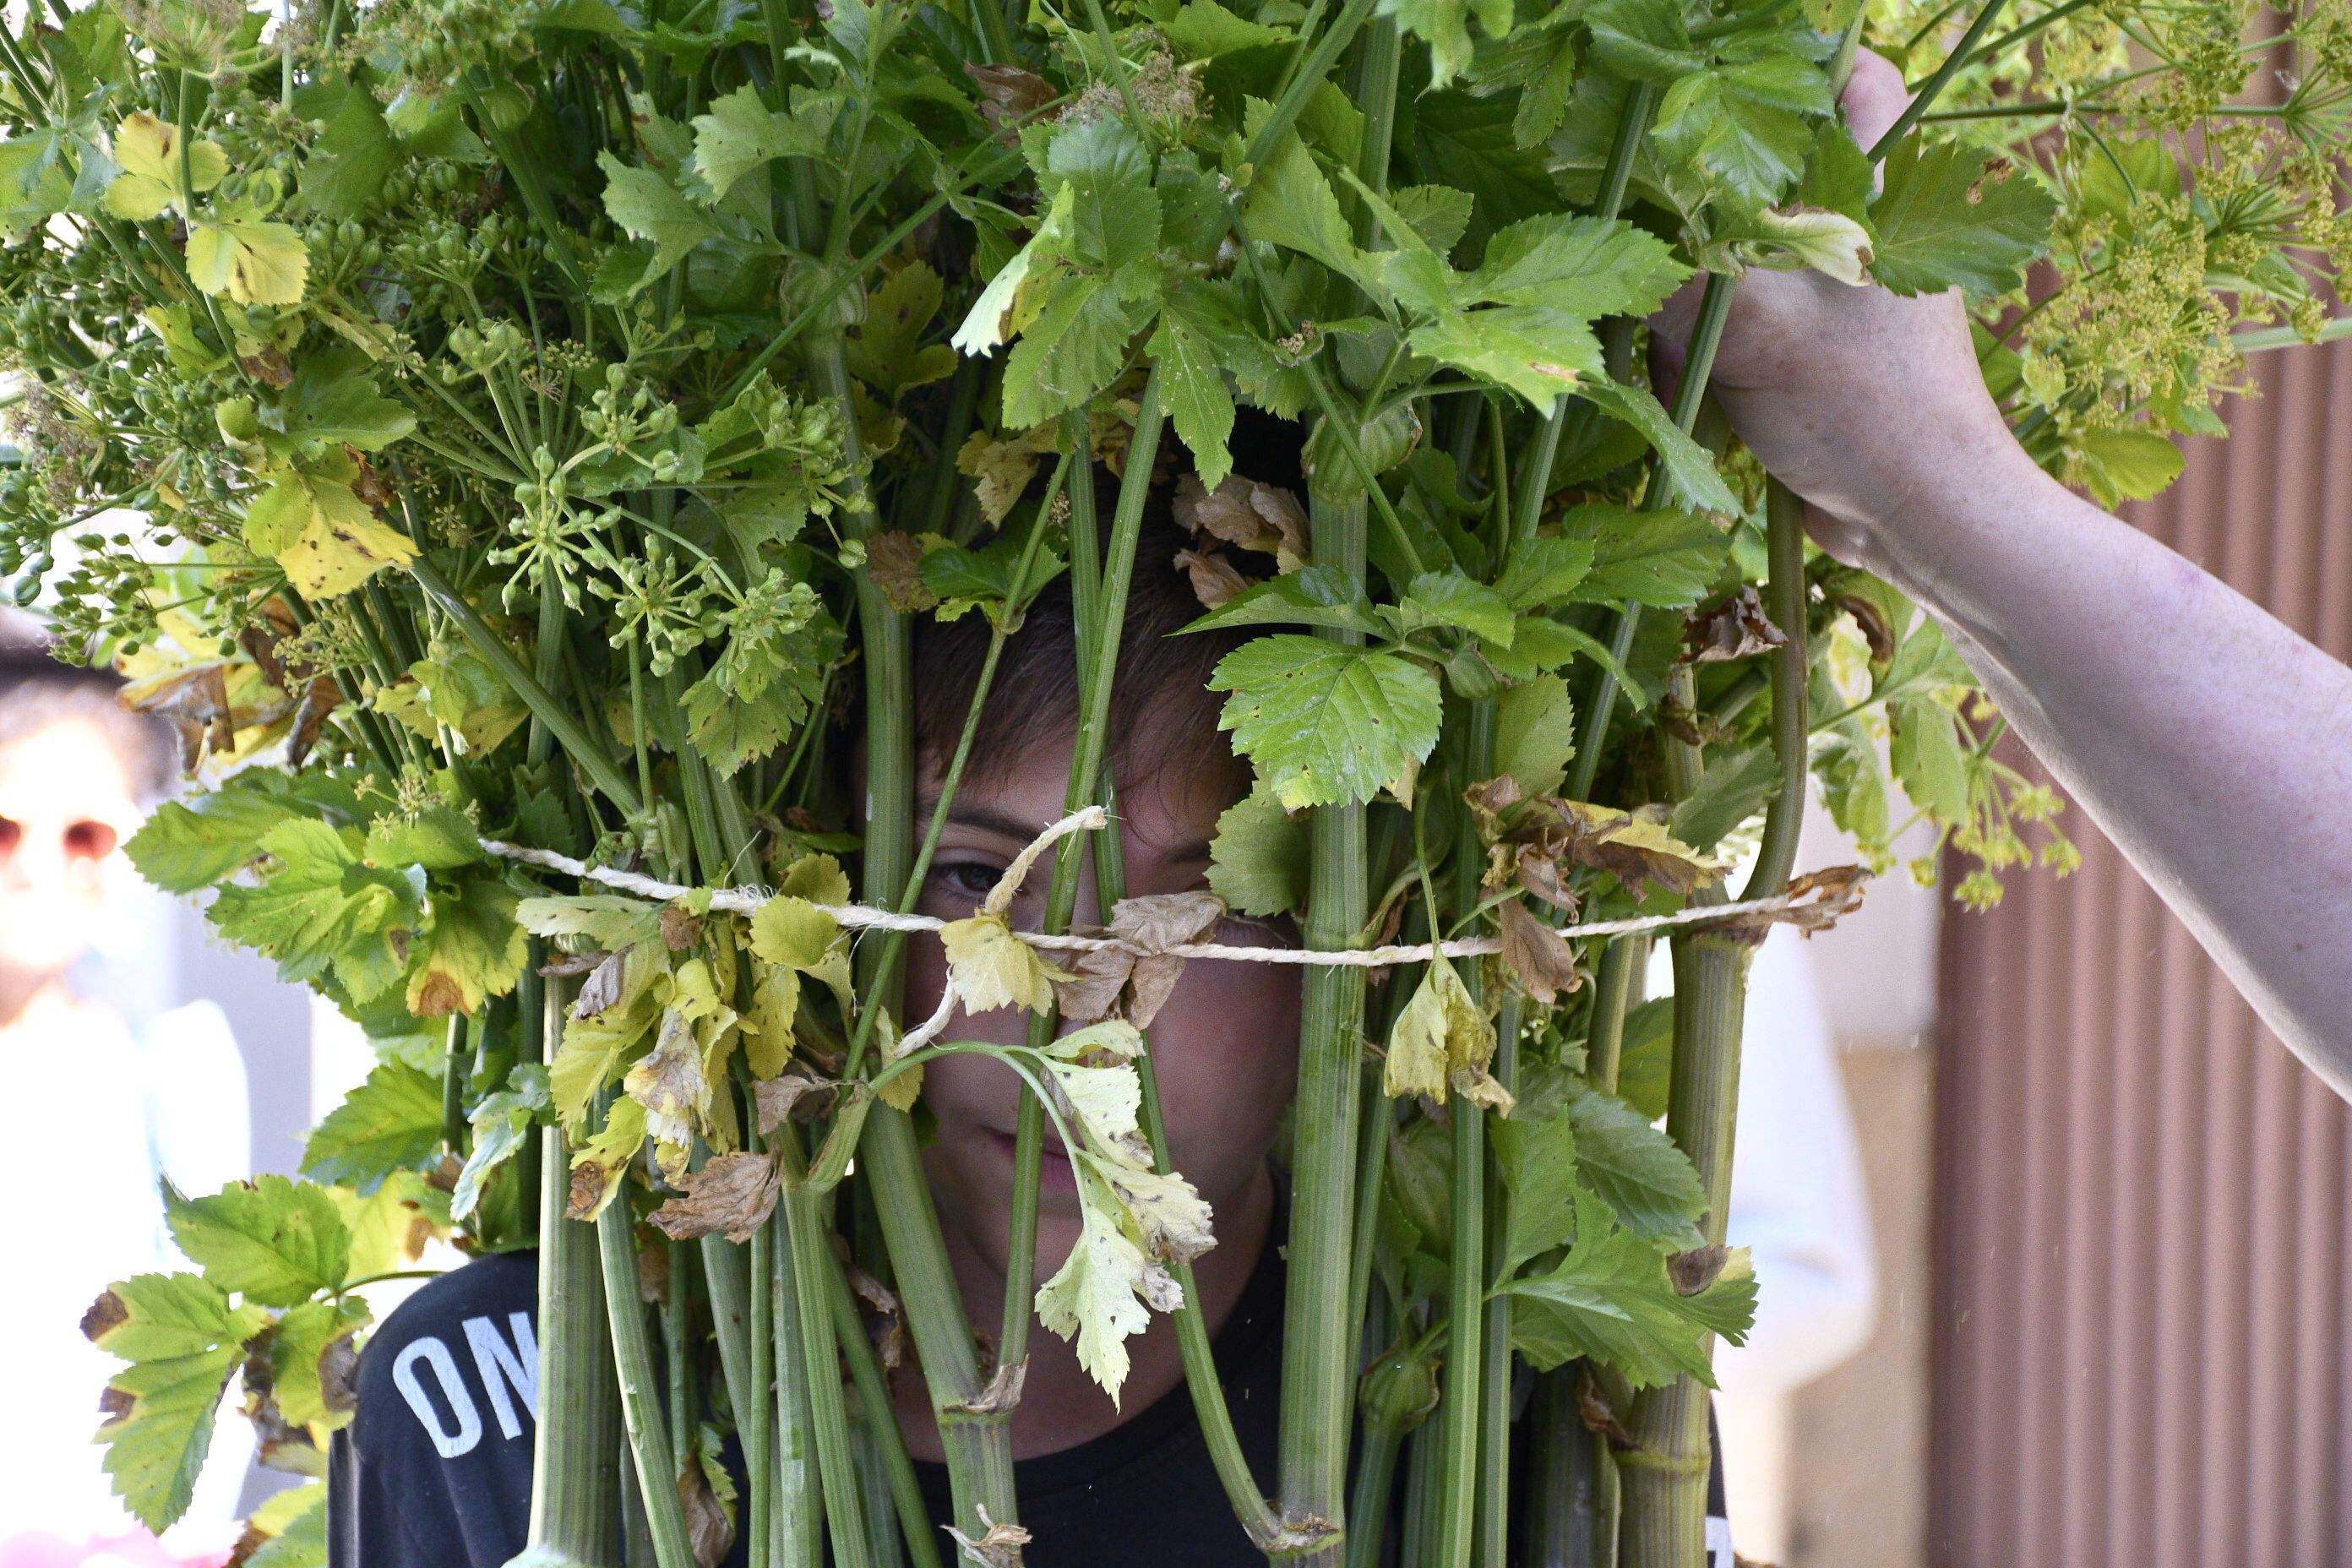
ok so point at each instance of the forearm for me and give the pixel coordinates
(2209, 742)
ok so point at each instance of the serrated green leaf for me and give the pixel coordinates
(1074, 347)
(470, 950)
(740, 133)
(1649, 1182)
(1663, 559)
(183, 1340)
(1537, 1156)
(1535, 734)
(308, 1393)
(272, 1240)
(1192, 388)
(1609, 1299)
(1259, 859)
(1588, 266)
(1690, 473)
(1945, 220)
(1325, 722)
(647, 207)
(391, 1122)
(1310, 597)
(319, 906)
(1736, 786)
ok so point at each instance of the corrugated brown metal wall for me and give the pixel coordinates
(2143, 1260)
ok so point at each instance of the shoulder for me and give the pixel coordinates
(458, 1362)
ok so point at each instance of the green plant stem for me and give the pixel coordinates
(1368, 1505)
(2025, 30)
(2259, 339)
(1666, 1472)
(796, 1520)
(1309, 76)
(1707, 335)
(1317, 1382)
(1785, 603)
(1932, 88)
(1494, 1518)
(1618, 977)
(641, 1411)
(880, 1418)
(1564, 1506)
(1097, 677)
(1463, 1489)
(590, 758)
(804, 1262)
(575, 1501)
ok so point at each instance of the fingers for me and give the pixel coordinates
(1875, 97)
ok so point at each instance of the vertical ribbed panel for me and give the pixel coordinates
(2143, 1260)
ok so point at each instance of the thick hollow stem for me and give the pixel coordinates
(1317, 1382)
(575, 1501)
(1665, 1476)
(806, 1261)
(641, 1411)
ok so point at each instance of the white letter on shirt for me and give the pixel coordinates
(448, 1445)
(501, 1364)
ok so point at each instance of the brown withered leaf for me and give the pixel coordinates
(602, 988)
(587, 1192)
(320, 699)
(1002, 1392)
(1871, 620)
(709, 1531)
(1215, 581)
(270, 367)
(1693, 1272)
(1096, 977)
(192, 701)
(1008, 93)
(1142, 969)
(999, 1546)
(777, 1097)
(1245, 513)
(1598, 1413)
(1543, 960)
(339, 1373)
(894, 559)
(1634, 846)
(1833, 891)
(680, 930)
(1733, 629)
(106, 1313)
(563, 965)
(1539, 873)
(260, 642)
(732, 1193)
(886, 1320)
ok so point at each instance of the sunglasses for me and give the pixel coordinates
(86, 839)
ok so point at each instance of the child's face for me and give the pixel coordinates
(1225, 1045)
(65, 804)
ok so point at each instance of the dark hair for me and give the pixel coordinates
(37, 690)
(1161, 713)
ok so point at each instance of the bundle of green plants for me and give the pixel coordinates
(509, 440)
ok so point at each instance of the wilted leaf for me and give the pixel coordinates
(1735, 629)
(1543, 960)
(731, 1192)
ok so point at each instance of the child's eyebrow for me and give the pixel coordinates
(981, 816)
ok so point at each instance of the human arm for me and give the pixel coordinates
(2208, 740)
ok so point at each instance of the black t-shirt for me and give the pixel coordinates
(435, 1471)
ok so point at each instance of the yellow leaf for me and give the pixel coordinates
(993, 968)
(1442, 1040)
(252, 261)
(148, 149)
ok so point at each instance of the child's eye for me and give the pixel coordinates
(971, 877)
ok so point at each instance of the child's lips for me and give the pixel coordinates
(1053, 1169)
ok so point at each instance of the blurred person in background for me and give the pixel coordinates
(105, 1109)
